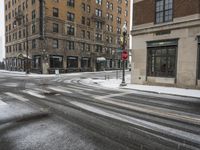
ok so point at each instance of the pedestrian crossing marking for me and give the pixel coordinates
(18, 97)
(59, 89)
(2, 103)
(34, 93)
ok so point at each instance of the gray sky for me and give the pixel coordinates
(2, 49)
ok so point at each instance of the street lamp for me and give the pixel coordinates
(124, 54)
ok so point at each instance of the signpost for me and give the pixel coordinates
(124, 55)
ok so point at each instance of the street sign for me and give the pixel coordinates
(124, 55)
(119, 50)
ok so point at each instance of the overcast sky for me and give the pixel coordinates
(2, 49)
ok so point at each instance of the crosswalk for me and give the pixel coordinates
(22, 95)
(2, 103)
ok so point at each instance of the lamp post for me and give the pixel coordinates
(124, 54)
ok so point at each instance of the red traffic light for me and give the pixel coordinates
(124, 55)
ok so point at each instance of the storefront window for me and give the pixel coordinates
(162, 61)
(85, 62)
(72, 62)
(56, 61)
(37, 62)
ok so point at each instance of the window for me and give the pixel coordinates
(88, 8)
(55, 12)
(33, 28)
(33, 2)
(20, 34)
(98, 37)
(33, 43)
(56, 61)
(70, 30)
(88, 22)
(107, 5)
(164, 11)
(87, 47)
(118, 20)
(70, 16)
(83, 6)
(71, 3)
(70, 45)
(88, 34)
(20, 46)
(55, 27)
(162, 61)
(119, 1)
(82, 46)
(83, 33)
(98, 12)
(83, 20)
(99, 25)
(33, 14)
(111, 6)
(126, 13)
(99, 2)
(72, 62)
(118, 30)
(85, 62)
(99, 48)
(37, 62)
(119, 10)
(55, 43)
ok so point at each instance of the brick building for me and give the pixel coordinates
(70, 35)
(166, 37)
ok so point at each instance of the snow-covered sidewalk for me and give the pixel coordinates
(115, 83)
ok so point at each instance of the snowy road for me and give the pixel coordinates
(91, 117)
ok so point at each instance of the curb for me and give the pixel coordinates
(162, 93)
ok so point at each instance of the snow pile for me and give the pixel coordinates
(166, 90)
(115, 83)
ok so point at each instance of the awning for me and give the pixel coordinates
(22, 56)
(99, 59)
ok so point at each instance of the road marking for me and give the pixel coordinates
(139, 122)
(3, 103)
(41, 90)
(10, 84)
(34, 93)
(18, 97)
(186, 117)
(59, 89)
(80, 88)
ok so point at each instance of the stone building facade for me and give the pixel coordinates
(166, 37)
(69, 35)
